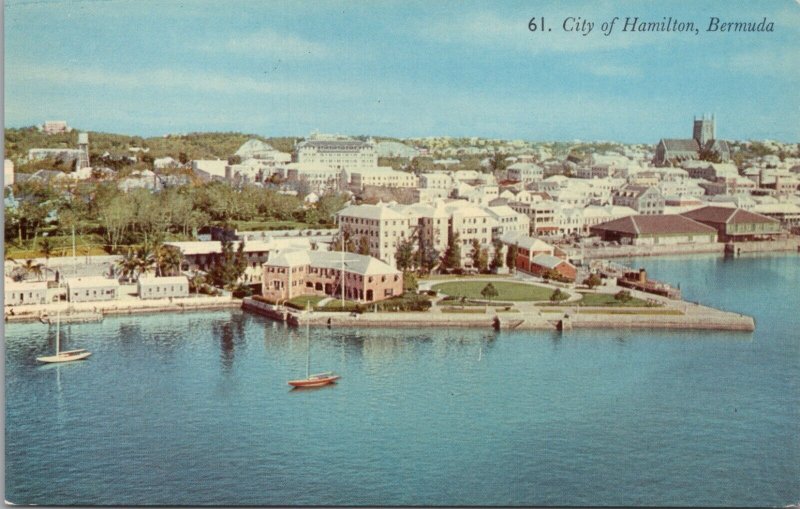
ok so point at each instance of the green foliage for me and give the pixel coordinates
(511, 256)
(452, 255)
(193, 145)
(427, 258)
(489, 291)
(592, 281)
(558, 295)
(229, 266)
(623, 296)
(363, 245)
(497, 259)
(405, 254)
(507, 290)
(410, 283)
(405, 302)
(710, 155)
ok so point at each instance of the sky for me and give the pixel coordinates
(401, 68)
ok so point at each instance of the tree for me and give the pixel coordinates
(710, 155)
(497, 259)
(32, 267)
(405, 254)
(482, 263)
(511, 256)
(489, 291)
(623, 296)
(46, 247)
(229, 266)
(168, 260)
(128, 264)
(427, 257)
(475, 253)
(498, 162)
(592, 281)
(558, 295)
(410, 283)
(363, 246)
(452, 255)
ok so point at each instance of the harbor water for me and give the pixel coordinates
(193, 408)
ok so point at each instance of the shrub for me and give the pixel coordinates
(558, 295)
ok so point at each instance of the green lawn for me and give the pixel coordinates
(268, 225)
(302, 301)
(605, 299)
(506, 290)
(623, 311)
(465, 310)
(336, 305)
(454, 277)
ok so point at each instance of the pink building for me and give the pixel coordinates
(292, 273)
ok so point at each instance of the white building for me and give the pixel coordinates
(162, 287)
(337, 152)
(383, 228)
(209, 169)
(383, 176)
(94, 288)
(55, 127)
(320, 177)
(24, 292)
(525, 172)
(8, 172)
(439, 180)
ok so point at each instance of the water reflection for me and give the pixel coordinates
(230, 334)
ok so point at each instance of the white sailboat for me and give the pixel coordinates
(318, 379)
(66, 356)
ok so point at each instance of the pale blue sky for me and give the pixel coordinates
(399, 69)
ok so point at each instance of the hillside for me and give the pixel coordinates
(193, 145)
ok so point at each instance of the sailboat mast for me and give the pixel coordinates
(58, 332)
(308, 343)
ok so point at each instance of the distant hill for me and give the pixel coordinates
(193, 145)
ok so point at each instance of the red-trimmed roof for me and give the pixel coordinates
(727, 215)
(653, 225)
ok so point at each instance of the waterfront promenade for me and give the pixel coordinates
(668, 314)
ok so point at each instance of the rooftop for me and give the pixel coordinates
(655, 225)
(727, 215)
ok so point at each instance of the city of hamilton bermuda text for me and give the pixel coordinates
(634, 24)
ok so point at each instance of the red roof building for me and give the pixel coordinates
(736, 224)
(667, 229)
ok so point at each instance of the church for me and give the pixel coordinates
(703, 139)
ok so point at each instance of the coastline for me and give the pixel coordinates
(680, 315)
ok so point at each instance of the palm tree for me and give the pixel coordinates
(168, 260)
(128, 265)
(31, 267)
(145, 261)
(46, 247)
(196, 281)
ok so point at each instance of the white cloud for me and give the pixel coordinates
(198, 81)
(779, 62)
(614, 71)
(270, 42)
(511, 33)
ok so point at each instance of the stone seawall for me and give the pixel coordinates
(736, 248)
(781, 245)
(729, 322)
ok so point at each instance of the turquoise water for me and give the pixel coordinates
(194, 409)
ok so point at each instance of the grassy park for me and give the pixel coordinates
(606, 299)
(506, 290)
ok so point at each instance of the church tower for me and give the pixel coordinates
(704, 130)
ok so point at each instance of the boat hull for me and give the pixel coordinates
(74, 355)
(314, 382)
